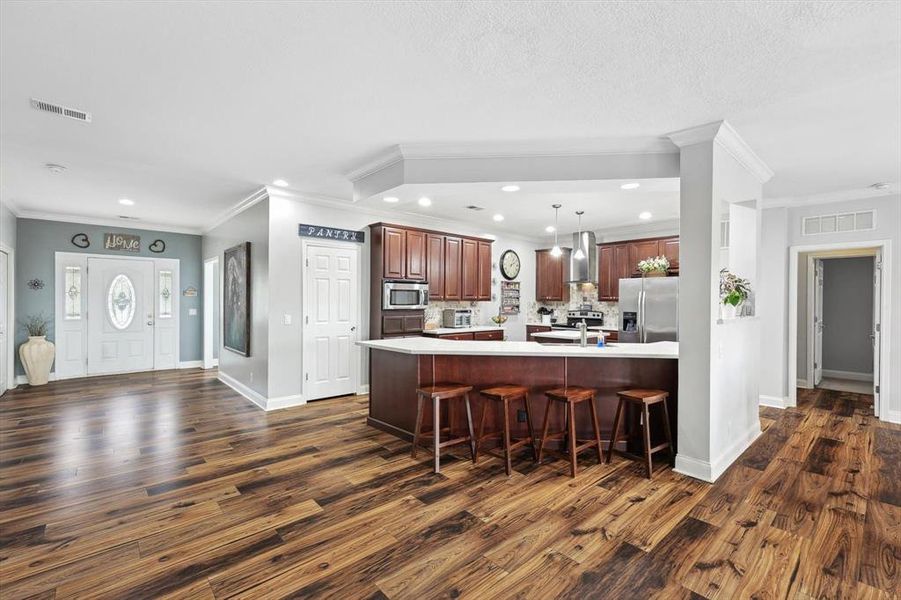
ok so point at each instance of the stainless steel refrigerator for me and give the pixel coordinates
(649, 309)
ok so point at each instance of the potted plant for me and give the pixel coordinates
(653, 266)
(37, 353)
(733, 292)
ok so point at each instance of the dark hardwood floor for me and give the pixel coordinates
(171, 485)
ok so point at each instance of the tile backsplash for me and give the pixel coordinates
(579, 294)
(433, 312)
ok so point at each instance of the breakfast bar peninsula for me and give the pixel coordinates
(397, 367)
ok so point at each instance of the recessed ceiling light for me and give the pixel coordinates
(280, 183)
(644, 216)
(510, 188)
(55, 168)
(498, 218)
(391, 199)
(629, 186)
(425, 201)
(126, 202)
(550, 229)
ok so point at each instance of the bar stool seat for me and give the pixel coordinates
(504, 395)
(436, 394)
(644, 398)
(570, 397)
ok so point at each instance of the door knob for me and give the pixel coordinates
(354, 328)
(150, 323)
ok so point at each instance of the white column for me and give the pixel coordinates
(721, 178)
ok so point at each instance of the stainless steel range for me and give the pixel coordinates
(574, 317)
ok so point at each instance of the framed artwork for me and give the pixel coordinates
(236, 299)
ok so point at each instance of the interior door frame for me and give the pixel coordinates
(81, 258)
(10, 316)
(885, 345)
(811, 377)
(209, 297)
(356, 355)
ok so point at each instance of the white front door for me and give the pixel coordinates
(4, 333)
(331, 297)
(818, 322)
(120, 315)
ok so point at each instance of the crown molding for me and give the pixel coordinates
(830, 197)
(238, 208)
(12, 207)
(119, 223)
(643, 229)
(521, 149)
(726, 136)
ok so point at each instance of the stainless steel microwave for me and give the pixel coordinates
(405, 295)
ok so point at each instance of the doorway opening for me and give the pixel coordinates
(7, 312)
(212, 312)
(838, 309)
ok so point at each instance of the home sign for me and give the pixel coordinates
(331, 233)
(123, 242)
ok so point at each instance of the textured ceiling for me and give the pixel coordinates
(195, 105)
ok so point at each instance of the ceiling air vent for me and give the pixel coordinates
(474, 207)
(839, 223)
(129, 218)
(63, 111)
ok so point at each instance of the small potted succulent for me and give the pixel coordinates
(734, 291)
(653, 266)
(37, 353)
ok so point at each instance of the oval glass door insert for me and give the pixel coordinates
(120, 302)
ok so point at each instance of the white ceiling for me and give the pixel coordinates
(195, 105)
(528, 211)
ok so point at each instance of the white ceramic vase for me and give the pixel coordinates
(37, 356)
(728, 311)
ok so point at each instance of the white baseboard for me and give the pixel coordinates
(23, 379)
(853, 376)
(802, 383)
(190, 364)
(285, 402)
(242, 389)
(710, 471)
(363, 389)
(891, 416)
(773, 401)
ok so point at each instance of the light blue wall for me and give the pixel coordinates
(38, 241)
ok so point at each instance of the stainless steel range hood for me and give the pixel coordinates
(586, 269)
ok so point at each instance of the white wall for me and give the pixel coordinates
(782, 230)
(7, 227)
(250, 225)
(286, 276)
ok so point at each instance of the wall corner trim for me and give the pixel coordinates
(710, 471)
(285, 402)
(242, 389)
(725, 135)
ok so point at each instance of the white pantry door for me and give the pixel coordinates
(120, 315)
(818, 322)
(331, 301)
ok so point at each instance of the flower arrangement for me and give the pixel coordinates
(653, 264)
(36, 325)
(733, 289)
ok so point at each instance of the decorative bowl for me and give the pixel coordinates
(499, 319)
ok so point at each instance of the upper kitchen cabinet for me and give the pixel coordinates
(484, 291)
(435, 265)
(619, 260)
(470, 270)
(453, 271)
(552, 276)
(394, 253)
(417, 267)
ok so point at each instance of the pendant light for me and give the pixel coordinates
(578, 254)
(556, 251)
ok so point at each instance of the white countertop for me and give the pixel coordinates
(564, 334)
(447, 330)
(427, 345)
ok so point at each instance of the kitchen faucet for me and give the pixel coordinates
(583, 334)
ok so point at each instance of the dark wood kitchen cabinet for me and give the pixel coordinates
(552, 276)
(470, 270)
(417, 267)
(453, 270)
(435, 264)
(484, 288)
(398, 323)
(619, 260)
(394, 250)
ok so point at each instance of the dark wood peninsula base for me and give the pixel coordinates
(394, 377)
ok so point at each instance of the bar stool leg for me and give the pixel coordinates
(615, 434)
(547, 414)
(573, 459)
(597, 430)
(507, 465)
(436, 424)
(647, 439)
(525, 399)
(418, 427)
(668, 433)
(481, 426)
(472, 438)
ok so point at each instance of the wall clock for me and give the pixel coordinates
(510, 265)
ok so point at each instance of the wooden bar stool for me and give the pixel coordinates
(436, 393)
(504, 395)
(645, 399)
(570, 397)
